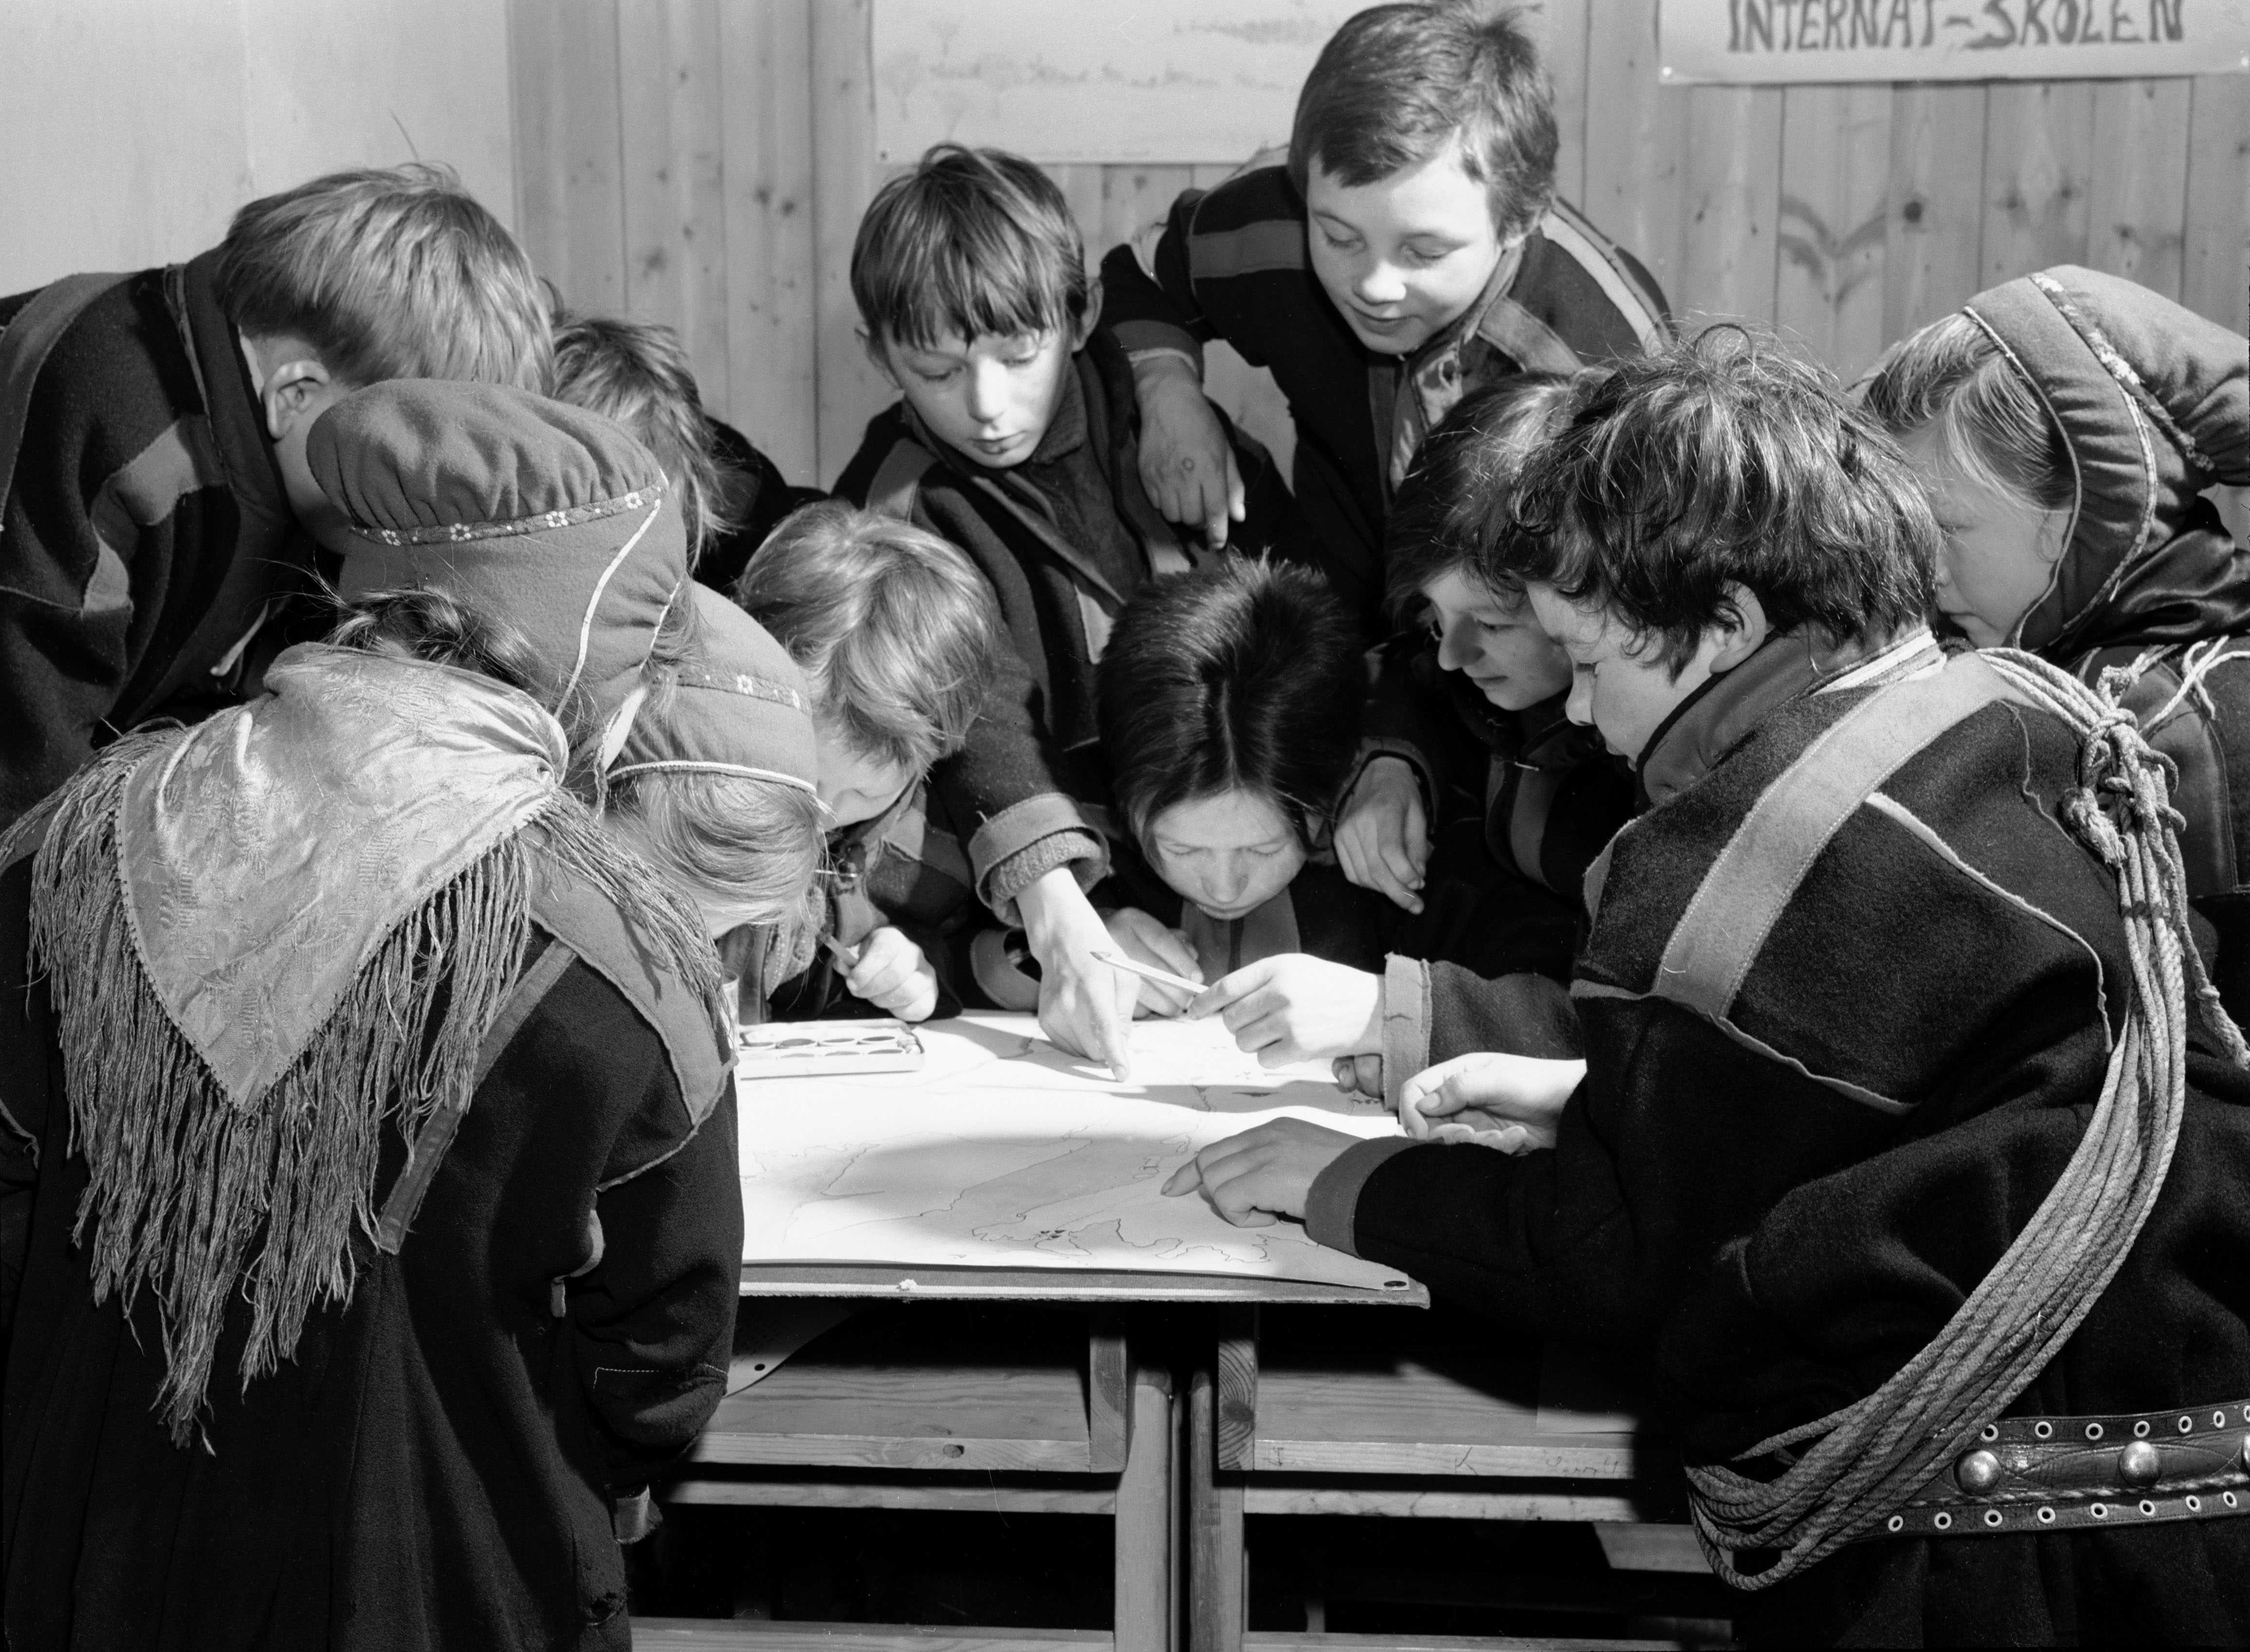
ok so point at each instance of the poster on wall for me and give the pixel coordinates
(1159, 82)
(1766, 42)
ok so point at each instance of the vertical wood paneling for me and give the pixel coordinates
(2136, 199)
(569, 209)
(705, 162)
(1635, 146)
(766, 121)
(1835, 221)
(1733, 195)
(851, 390)
(2217, 229)
(1135, 196)
(2038, 165)
(1938, 203)
(1564, 43)
(675, 207)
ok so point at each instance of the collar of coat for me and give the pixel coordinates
(2153, 404)
(1728, 710)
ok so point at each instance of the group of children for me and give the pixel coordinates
(420, 707)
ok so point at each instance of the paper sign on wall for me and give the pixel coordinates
(1752, 42)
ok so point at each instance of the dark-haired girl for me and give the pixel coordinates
(1229, 700)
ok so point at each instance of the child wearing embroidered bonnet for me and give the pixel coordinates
(2070, 425)
(336, 1035)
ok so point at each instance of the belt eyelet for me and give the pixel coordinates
(2194, 1503)
(2147, 1507)
(2046, 1430)
(2100, 1511)
(1991, 1433)
(1991, 1517)
(2227, 1497)
(2141, 1430)
(1896, 1522)
(2187, 1425)
(1942, 1521)
(2047, 1516)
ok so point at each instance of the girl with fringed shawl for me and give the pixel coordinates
(2069, 426)
(383, 1213)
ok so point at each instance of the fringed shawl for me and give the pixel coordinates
(272, 934)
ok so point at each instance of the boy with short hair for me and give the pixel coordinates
(1856, 985)
(1411, 248)
(897, 638)
(155, 508)
(637, 373)
(1015, 439)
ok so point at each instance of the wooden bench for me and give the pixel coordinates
(1328, 1424)
(1044, 1408)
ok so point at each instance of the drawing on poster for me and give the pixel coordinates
(1004, 1152)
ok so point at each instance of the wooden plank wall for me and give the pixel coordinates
(704, 163)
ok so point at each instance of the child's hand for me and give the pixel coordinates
(1187, 465)
(1298, 1008)
(894, 976)
(1383, 837)
(1265, 1173)
(1085, 1005)
(1489, 1091)
(1145, 941)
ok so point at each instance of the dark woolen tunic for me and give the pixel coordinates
(436, 1467)
(145, 530)
(2153, 404)
(1068, 532)
(1776, 1208)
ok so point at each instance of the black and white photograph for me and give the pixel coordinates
(1162, 826)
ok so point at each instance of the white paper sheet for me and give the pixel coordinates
(1004, 1152)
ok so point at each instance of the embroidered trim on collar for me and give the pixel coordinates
(546, 521)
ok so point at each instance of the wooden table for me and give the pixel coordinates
(1277, 1425)
(1072, 1424)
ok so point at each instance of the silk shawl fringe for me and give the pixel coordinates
(192, 1197)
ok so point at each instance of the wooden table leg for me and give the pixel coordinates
(1144, 1609)
(1215, 1556)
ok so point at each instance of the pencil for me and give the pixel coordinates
(1162, 978)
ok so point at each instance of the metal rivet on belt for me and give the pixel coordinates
(2187, 1425)
(2141, 1430)
(2194, 1504)
(2100, 1511)
(1898, 1523)
(2139, 1465)
(1977, 1472)
(2093, 1431)
(1991, 1432)
(2147, 1507)
(2047, 1516)
(2046, 1430)
(1942, 1521)
(1991, 1517)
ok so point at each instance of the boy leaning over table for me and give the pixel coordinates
(1832, 1165)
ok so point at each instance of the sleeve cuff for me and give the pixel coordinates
(1335, 1196)
(1408, 753)
(1084, 853)
(1406, 1023)
(1158, 338)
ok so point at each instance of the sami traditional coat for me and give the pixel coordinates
(145, 536)
(2153, 404)
(1805, 1133)
(540, 1321)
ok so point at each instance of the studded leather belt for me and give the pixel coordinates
(2051, 1473)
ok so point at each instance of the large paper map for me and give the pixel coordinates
(1004, 1152)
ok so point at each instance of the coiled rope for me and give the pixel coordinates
(1856, 1466)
